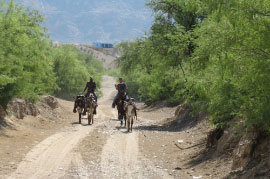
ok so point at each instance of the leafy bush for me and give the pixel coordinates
(26, 70)
(213, 54)
(73, 69)
(30, 66)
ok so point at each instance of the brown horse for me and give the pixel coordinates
(90, 106)
(120, 103)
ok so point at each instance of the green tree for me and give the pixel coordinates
(25, 69)
(212, 53)
(73, 69)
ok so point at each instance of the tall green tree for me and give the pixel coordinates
(30, 66)
(25, 69)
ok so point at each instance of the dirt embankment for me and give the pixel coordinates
(228, 153)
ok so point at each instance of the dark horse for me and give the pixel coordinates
(79, 106)
(120, 103)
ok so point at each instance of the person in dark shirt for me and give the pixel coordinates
(91, 87)
(121, 87)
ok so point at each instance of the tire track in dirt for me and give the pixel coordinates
(120, 156)
(51, 157)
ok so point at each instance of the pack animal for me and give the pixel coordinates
(90, 107)
(79, 106)
(131, 114)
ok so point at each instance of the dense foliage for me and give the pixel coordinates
(30, 66)
(73, 69)
(214, 54)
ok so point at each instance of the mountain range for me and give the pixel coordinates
(88, 21)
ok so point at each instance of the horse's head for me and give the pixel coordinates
(122, 93)
(129, 107)
(130, 101)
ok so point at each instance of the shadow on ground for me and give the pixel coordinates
(200, 157)
(175, 124)
(172, 126)
(3, 123)
(182, 120)
(74, 123)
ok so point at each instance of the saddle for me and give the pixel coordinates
(79, 98)
(79, 102)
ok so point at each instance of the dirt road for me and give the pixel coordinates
(59, 147)
(60, 153)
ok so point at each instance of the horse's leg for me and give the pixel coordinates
(89, 118)
(131, 122)
(119, 118)
(130, 127)
(80, 117)
(128, 124)
(125, 118)
(92, 117)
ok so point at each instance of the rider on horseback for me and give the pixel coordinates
(91, 85)
(121, 87)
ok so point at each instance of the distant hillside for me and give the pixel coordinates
(106, 56)
(84, 22)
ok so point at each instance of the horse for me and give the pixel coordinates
(90, 107)
(131, 113)
(120, 107)
(79, 106)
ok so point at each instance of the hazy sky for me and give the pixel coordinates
(87, 21)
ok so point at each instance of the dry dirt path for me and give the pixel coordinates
(118, 155)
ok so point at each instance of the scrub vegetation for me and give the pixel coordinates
(29, 64)
(212, 54)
